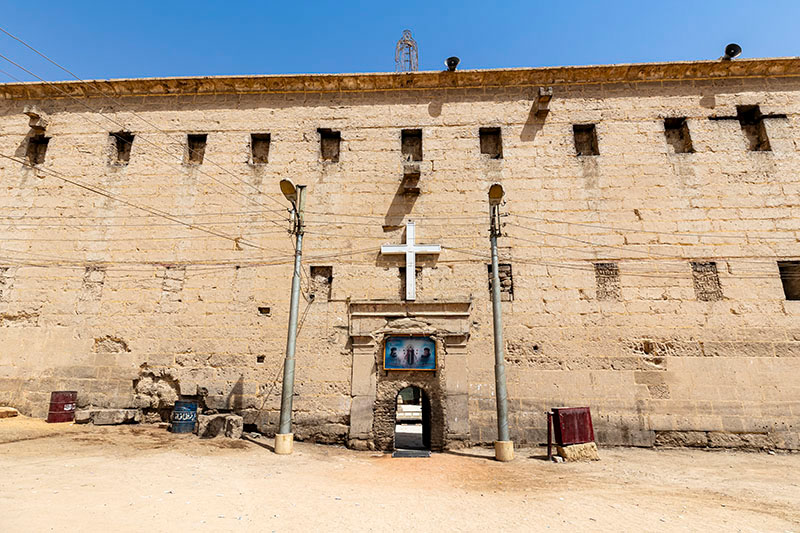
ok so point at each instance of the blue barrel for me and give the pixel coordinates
(184, 417)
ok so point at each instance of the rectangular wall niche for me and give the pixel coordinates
(790, 278)
(321, 282)
(6, 279)
(329, 142)
(122, 142)
(676, 131)
(606, 276)
(491, 142)
(752, 122)
(196, 144)
(411, 145)
(585, 139)
(506, 281)
(259, 148)
(706, 281)
(37, 148)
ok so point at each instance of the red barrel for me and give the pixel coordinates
(62, 406)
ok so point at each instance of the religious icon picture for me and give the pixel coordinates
(409, 353)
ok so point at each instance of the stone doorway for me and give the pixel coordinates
(412, 423)
(374, 389)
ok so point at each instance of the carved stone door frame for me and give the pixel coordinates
(374, 390)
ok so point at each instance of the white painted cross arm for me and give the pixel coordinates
(410, 249)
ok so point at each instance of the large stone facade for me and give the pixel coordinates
(643, 248)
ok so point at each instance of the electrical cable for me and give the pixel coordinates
(53, 62)
(158, 146)
(151, 210)
(676, 234)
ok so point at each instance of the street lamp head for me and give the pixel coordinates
(289, 190)
(496, 194)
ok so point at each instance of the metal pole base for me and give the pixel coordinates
(284, 443)
(503, 450)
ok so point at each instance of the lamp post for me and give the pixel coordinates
(284, 439)
(503, 446)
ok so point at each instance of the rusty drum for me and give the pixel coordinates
(62, 406)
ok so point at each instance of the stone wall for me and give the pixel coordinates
(132, 309)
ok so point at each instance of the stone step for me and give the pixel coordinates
(8, 412)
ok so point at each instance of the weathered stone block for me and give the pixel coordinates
(8, 412)
(695, 439)
(718, 439)
(83, 416)
(579, 452)
(361, 416)
(110, 417)
(220, 425)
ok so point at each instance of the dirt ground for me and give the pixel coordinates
(62, 477)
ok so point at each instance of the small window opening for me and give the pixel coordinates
(506, 281)
(752, 123)
(790, 278)
(677, 132)
(123, 142)
(37, 148)
(259, 148)
(329, 144)
(491, 142)
(5, 281)
(606, 277)
(412, 428)
(585, 139)
(265, 311)
(321, 282)
(411, 145)
(260, 358)
(706, 281)
(197, 148)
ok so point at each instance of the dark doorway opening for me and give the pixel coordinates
(412, 429)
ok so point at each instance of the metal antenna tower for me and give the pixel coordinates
(406, 54)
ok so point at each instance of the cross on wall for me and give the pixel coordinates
(410, 249)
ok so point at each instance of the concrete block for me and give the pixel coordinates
(579, 452)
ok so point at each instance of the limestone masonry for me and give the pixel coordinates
(650, 263)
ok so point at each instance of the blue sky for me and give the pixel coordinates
(139, 38)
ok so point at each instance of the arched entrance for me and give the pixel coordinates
(412, 429)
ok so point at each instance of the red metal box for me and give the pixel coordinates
(572, 425)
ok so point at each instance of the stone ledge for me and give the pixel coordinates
(366, 82)
(108, 417)
(8, 412)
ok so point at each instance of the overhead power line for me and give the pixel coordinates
(145, 139)
(656, 232)
(151, 210)
(115, 99)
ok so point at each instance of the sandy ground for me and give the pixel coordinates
(141, 478)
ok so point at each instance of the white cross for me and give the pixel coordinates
(410, 249)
